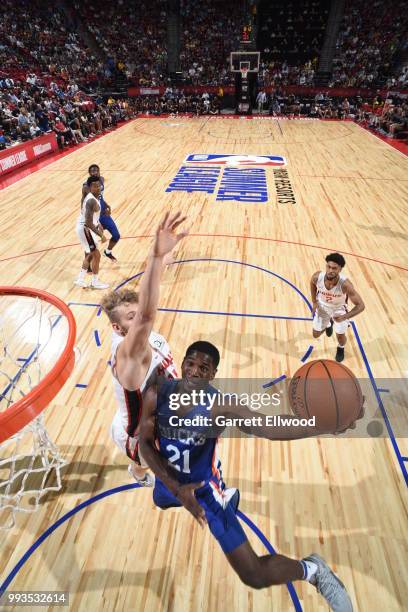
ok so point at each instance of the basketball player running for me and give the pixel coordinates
(138, 353)
(331, 291)
(89, 231)
(105, 218)
(188, 473)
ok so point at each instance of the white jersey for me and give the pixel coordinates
(331, 300)
(130, 402)
(81, 218)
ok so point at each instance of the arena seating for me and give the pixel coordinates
(370, 35)
(210, 31)
(292, 31)
(139, 50)
(34, 37)
(30, 109)
(49, 63)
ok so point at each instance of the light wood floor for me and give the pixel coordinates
(343, 498)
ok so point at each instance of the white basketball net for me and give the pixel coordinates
(30, 343)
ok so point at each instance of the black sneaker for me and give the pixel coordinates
(340, 354)
(110, 256)
(329, 330)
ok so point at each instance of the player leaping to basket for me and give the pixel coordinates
(178, 439)
(138, 353)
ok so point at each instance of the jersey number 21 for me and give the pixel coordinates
(181, 461)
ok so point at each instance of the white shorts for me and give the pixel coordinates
(87, 238)
(127, 444)
(322, 318)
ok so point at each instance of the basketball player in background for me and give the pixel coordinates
(89, 232)
(331, 291)
(138, 353)
(188, 472)
(105, 218)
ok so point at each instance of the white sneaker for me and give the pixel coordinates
(98, 285)
(81, 282)
(328, 585)
(146, 481)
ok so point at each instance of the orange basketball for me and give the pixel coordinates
(328, 391)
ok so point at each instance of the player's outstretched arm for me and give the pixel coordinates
(159, 464)
(133, 347)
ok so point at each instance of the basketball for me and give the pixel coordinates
(328, 391)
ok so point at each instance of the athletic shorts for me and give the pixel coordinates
(222, 519)
(87, 238)
(127, 444)
(322, 319)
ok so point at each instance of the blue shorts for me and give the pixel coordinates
(223, 522)
(108, 223)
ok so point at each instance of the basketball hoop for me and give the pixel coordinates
(37, 338)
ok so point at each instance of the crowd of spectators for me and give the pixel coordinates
(35, 37)
(291, 30)
(210, 30)
(369, 37)
(387, 116)
(275, 73)
(174, 102)
(290, 36)
(45, 65)
(320, 106)
(31, 108)
(131, 36)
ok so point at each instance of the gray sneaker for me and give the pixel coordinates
(328, 585)
(146, 481)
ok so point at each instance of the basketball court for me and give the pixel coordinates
(241, 281)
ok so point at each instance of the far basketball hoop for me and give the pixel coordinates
(245, 63)
(242, 59)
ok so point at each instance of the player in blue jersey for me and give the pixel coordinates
(178, 440)
(105, 218)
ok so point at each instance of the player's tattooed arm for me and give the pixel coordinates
(159, 464)
(355, 297)
(313, 291)
(91, 207)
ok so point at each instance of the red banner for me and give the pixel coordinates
(23, 154)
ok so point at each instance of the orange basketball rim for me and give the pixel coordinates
(22, 412)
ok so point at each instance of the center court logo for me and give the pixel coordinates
(243, 177)
(236, 160)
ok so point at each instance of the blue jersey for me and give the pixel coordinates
(191, 451)
(193, 454)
